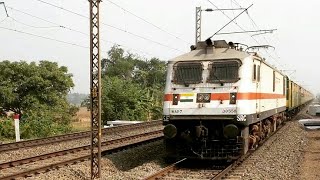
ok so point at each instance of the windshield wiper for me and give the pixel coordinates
(221, 83)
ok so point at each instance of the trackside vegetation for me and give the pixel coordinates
(36, 91)
(132, 89)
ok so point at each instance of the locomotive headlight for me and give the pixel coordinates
(170, 131)
(206, 97)
(203, 97)
(200, 98)
(233, 98)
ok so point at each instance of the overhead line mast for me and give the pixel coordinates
(95, 90)
(198, 19)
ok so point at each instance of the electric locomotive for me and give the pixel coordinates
(221, 100)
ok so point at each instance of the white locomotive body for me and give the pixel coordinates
(219, 101)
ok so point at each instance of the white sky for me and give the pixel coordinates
(295, 40)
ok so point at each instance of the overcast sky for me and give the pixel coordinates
(171, 33)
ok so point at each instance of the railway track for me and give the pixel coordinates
(46, 162)
(231, 171)
(179, 170)
(71, 136)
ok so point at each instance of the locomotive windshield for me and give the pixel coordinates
(224, 71)
(188, 73)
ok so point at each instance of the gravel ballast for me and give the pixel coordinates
(39, 150)
(279, 158)
(135, 163)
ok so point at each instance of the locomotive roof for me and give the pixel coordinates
(204, 52)
(220, 50)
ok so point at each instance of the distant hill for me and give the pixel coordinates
(76, 98)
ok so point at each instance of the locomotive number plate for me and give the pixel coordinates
(229, 111)
(176, 111)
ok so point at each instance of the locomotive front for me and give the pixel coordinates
(201, 114)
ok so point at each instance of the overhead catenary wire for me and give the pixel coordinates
(42, 27)
(251, 19)
(257, 27)
(235, 2)
(225, 14)
(240, 32)
(242, 29)
(146, 21)
(45, 20)
(231, 20)
(47, 38)
(70, 29)
(44, 37)
(114, 27)
(3, 19)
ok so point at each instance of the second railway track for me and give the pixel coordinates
(37, 164)
(71, 136)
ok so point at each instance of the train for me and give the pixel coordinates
(223, 99)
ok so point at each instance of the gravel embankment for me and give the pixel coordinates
(135, 163)
(34, 151)
(279, 158)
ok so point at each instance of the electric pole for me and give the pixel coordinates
(198, 18)
(95, 90)
(198, 24)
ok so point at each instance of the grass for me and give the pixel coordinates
(81, 122)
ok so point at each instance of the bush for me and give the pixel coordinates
(7, 129)
(44, 124)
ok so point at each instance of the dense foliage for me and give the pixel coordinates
(37, 92)
(132, 88)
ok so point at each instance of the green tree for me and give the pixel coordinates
(24, 86)
(132, 88)
(118, 64)
(38, 92)
(123, 99)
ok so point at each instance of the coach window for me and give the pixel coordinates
(187, 73)
(284, 86)
(274, 81)
(254, 72)
(224, 71)
(258, 75)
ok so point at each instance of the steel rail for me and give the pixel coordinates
(165, 170)
(71, 136)
(151, 137)
(72, 150)
(239, 161)
(234, 165)
(221, 173)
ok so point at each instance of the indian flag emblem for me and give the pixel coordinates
(186, 97)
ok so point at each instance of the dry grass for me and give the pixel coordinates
(81, 122)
